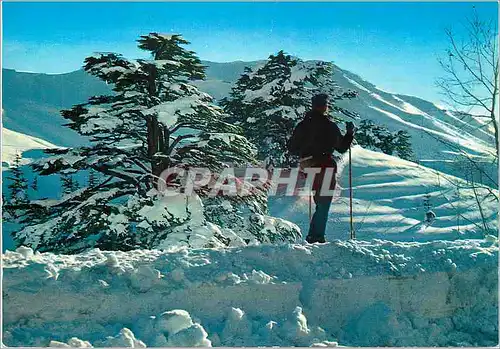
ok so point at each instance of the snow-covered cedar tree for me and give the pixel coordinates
(269, 102)
(246, 225)
(403, 145)
(378, 137)
(154, 120)
(18, 184)
(17, 191)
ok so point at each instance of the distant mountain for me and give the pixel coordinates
(227, 72)
(32, 103)
(429, 125)
(18, 143)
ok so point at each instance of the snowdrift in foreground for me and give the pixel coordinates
(366, 293)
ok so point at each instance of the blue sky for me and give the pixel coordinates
(393, 45)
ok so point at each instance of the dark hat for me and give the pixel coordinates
(320, 100)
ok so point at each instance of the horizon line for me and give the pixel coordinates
(438, 104)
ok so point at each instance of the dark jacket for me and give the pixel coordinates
(318, 136)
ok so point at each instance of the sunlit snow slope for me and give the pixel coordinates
(389, 196)
(17, 143)
(436, 133)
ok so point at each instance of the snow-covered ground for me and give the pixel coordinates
(389, 197)
(349, 292)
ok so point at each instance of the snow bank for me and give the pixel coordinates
(349, 292)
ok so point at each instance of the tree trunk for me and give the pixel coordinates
(164, 149)
(152, 128)
(495, 126)
(155, 135)
(493, 108)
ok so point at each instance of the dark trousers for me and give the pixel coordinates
(323, 202)
(318, 222)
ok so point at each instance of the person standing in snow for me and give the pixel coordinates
(314, 140)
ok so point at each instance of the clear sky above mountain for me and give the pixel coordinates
(393, 45)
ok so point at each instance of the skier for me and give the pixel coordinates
(314, 140)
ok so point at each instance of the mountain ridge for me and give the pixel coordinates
(32, 102)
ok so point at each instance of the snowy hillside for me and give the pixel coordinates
(359, 293)
(32, 103)
(221, 77)
(17, 143)
(389, 202)
(428, 124)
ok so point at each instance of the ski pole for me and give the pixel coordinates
(353, 234)
(310, 208)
